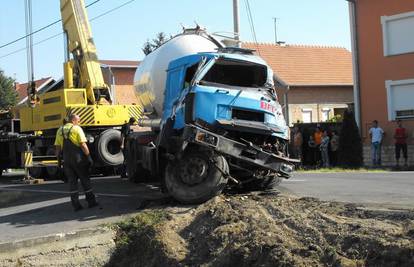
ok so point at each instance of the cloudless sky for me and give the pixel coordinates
(122, 33)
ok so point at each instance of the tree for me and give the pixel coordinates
(350, 143)
(159, 40)
(147, 49)
(8, 95)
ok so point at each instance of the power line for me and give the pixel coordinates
(251, 22)
(113, 9)
(41, 29)
(58, 34)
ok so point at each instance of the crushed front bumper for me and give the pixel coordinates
(247, 153)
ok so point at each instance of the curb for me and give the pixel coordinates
(13, 246)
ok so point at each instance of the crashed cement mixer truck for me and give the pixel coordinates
(214, 120)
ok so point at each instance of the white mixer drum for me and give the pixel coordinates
(150, 77)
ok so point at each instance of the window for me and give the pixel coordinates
(236, 73)
(189, 75)
(307, 115)
(325, 114)
(400, 95)
(397, 34)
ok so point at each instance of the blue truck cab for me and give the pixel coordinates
(221, 126)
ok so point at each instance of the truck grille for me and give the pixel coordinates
(240, 114)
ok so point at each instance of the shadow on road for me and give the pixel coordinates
(48, 205)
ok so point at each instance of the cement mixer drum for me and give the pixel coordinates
(150, 77)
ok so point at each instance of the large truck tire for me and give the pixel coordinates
(266, 183)
(109, 147)
(197, 177)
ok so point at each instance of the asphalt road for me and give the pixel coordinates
(382, 189)
(34, 210)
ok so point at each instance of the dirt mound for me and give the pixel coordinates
(266, 230)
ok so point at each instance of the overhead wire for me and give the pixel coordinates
(41, 29)
(251, 23)
(58, 34)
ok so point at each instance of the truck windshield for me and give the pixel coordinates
(236, 73)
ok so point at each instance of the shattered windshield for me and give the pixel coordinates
(236, 73)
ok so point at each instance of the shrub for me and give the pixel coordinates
(350, 143)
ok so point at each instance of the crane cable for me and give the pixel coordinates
(41, 29)
(251, 23)
(58, 34)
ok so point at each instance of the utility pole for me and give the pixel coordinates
(275, 24)
(236, 21)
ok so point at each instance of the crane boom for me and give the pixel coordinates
(83, 70)
(83, 90)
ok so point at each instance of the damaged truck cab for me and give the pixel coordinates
(221, 125)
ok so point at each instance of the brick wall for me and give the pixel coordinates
(316, 99)
(321, 95)
(296, 110)
(388, 155)
(125, 94)
(124, 88)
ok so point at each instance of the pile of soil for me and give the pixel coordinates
(266, 230)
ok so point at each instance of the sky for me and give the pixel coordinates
(122, 33)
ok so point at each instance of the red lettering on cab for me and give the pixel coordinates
(267, 106)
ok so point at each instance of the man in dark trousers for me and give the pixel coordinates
(76, 160)
(400, 136)
(125, 131)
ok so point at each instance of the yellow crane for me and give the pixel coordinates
(82, 91)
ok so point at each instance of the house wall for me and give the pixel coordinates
(316, 100)
(375, 68)
(124, 88)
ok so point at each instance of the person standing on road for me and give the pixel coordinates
(400, 137)
(334, 148)
(376, 134)
(324, 149)
(76, 160)
(125, 131)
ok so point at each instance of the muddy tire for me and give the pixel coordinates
(266, 183)
(196, 177)
(109, 147)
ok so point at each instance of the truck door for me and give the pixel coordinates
(175, 79)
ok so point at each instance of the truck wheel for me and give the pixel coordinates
(196, 177)
(109, 147)
(265, 183)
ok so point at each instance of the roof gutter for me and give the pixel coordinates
(355, 61)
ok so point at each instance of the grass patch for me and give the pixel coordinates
(338, 169)
(136, 240)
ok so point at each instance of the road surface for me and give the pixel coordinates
(35, 210)
(385, 189)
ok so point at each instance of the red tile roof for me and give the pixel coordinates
(21, 88)
(300, 65)
(120, 63)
